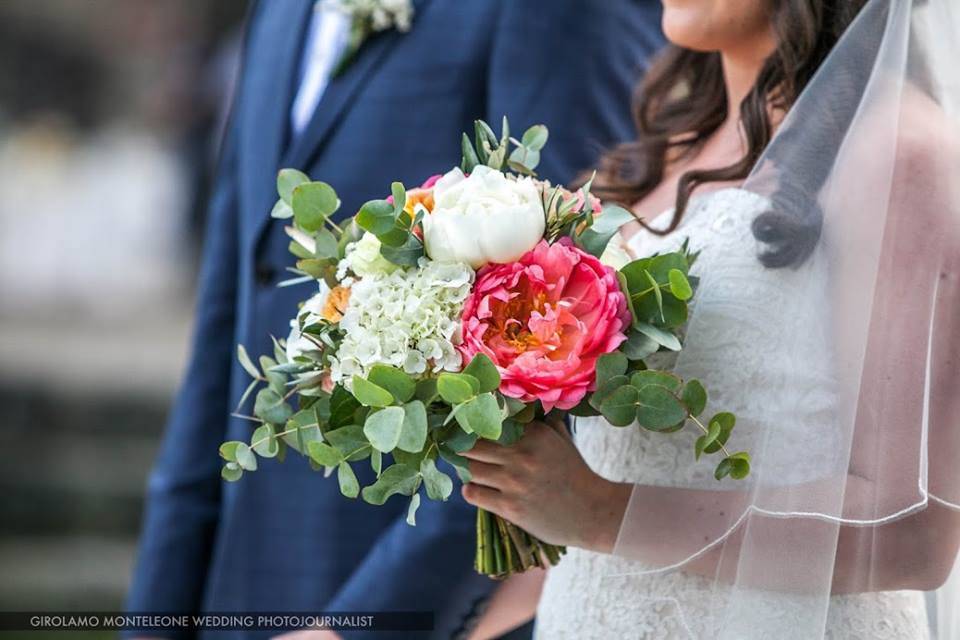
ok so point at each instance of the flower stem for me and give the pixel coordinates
(707, 431)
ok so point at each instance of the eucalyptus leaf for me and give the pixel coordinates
(247, 363)
(376, 216)
(457, 388)
(383, 428)
(327, 244)
(694, 396)
(313, 203)
(407, 254)
(228, 450)
(458, 462)
(412, 509)
(264, 441)
(281, 211)
(323, 454)
(369, 394)
(271, 407)
(350, 441)
(245, 457)
(482, 368)
(726, 421)
(610, 365)
(481, 415)
(605, 388)
(535, 137)
(398, 383)
(640, 379)
(439, 486)
(287, 181)
(349, 486)
(658, 408)
(231, 472)
(620, 407)
(658, 335)
(397, 478)
(639, 346)
(413, 433)
(679, 285)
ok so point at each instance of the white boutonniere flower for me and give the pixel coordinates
(368, 17)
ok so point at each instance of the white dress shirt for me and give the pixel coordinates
(326, 41)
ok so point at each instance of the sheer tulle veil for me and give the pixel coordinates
(854, 488)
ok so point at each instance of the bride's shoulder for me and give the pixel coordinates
(927, 134)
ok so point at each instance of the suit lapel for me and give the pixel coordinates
(272, 66)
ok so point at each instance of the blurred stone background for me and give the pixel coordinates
(110, 114)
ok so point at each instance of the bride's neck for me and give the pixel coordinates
(741, 66)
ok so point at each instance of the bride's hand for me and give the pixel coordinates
(543, 485)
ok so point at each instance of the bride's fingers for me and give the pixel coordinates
(490, 475)
(487, 451)
(484, 498)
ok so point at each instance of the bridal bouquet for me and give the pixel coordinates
(464, 309)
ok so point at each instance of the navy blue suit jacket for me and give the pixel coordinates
(283, 538)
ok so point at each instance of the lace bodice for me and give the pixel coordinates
(590, 595)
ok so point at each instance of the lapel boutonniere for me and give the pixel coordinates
(368, 17)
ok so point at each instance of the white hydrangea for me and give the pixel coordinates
(408, 319)
(297, 344)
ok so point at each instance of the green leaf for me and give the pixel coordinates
(412, 509)
(481, 415)
(264, 441)
(427, 390)
(246, 362)
(228, 450)
(605, 388)
(679, 285)
(595, 238)
(323, 454)
(535, 137)
(458, 462)
(383, 428)
(327, 244)
(620, 407)
(400, 385)
(307, 430)
(413, 434)
(694, 397)
(611, 365)
(245, 457)
(456, 388)
(470, 159)
(641, 379)
(376, 216)
(660, 336)
(407, 254)
(658, 408)
(231, 472)
(483, 369)
(281, 210)
(706, 439)
(726, 421)
(313, 203)
(638, 346)
(657, 294)
(397, 478)
(511, 432)
(439, 486)
(736, 465)
(376, 462)
(369, 394)
(343, 406)
(399, 194)
(271, 407)
(350, 441)
(348, 480)
(287, 181)
(275, 380)
(460, 441)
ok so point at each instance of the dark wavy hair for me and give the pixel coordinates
(682, 102)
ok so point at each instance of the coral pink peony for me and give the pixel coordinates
(544, 320)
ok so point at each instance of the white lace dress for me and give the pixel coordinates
(581, 599)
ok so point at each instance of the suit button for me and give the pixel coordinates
(264, 274)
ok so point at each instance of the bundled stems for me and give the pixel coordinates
(503, 548)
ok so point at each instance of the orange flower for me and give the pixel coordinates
(336, 304)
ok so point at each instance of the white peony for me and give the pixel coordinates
(486, 217)
(297, 343)
(408, 319)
